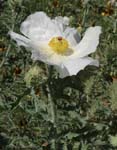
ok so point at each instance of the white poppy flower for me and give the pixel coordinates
(55, 43)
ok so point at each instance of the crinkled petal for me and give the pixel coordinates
(89, 42)
(39, 26)
(21, 40)
(62, 20)
(72, 67)
(61, 23)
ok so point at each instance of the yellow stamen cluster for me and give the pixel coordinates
(59, 45)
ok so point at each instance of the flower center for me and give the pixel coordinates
(59, 44)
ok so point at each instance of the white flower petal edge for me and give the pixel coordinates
(72, 67)
(35, 26)
(21, 40)
(62, 20)
(89, 42)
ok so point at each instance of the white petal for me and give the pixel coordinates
(62, 20)
(35, 20)
(89, 42)
(38, 26)
(71, 34)
(61, 23)
(21, 40)
(72, 67)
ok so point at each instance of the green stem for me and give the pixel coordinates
(52, 107)
(35, 100)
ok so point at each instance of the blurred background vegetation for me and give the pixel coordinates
(85, 105)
